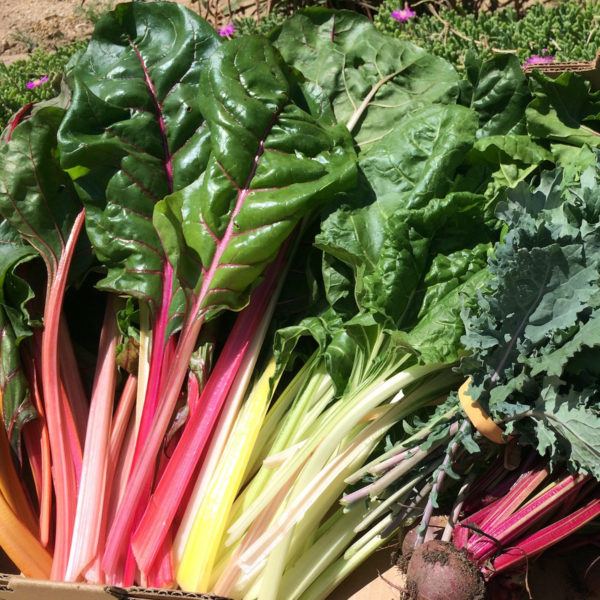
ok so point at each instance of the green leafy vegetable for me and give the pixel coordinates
(371, 80)
(536, 316)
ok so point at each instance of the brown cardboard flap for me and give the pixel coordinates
(156, 594)
(588, 69)
(15, 587)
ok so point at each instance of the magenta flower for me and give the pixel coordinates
(36, 82)
(403, 15)
(227, 31)
(538, 60)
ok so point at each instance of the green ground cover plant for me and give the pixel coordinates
(568, 31)
(21, 82)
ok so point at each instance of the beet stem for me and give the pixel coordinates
(457, 508)
(441, 475)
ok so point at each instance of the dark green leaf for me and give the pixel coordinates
(564, 110)
(271, 164)
(499, 94)
(16, 407)
(371, 79)
(36, 196)
(136, 126)
(15, 292)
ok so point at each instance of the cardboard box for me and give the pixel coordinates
(15, 587)
(589, 69)
(366, 584)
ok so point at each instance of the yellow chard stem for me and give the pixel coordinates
(208, 529)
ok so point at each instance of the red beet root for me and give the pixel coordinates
(438, 571)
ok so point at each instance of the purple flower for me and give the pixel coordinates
(36, 82)
(227, 31)
(538, 60)
(403, 15)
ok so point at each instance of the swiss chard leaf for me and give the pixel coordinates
(418, 160)
(406, 169)
(16, 408)
(564, 110)
(37, 196)
(271, 164)
(394, 287)
(371, 79)
(136, 132)
(498, 92)
(438, 333)
(15, 292)
(389, 243)
(509, 159)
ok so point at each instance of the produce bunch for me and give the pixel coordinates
(239, 277)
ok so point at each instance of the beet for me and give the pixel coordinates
(438, 571)
(434, 531)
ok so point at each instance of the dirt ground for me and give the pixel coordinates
(29, 24)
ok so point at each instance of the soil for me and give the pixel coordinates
(29, 24)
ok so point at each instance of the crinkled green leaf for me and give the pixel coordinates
(500, 149)
(536, 293)
(567, 427)
(37, 196)
(437, 335)
(406, 169)
(418, 160)
(271, 163)
(509, 159)
(414, 237)
(499, 94)
(553, 362)
(371, 79)
(448, 271)
(533, 331)
(573, 161)
(137, 127)
(564, 110)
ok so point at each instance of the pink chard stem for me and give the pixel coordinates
(65, 481)
(90, 504)
(248, 331)
(511, 528)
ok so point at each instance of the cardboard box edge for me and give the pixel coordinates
(17, 587)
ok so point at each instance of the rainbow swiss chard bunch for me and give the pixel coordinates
(177, 167)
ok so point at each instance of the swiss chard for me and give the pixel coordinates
(372, 81)
(271, 163)
(39, 200)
